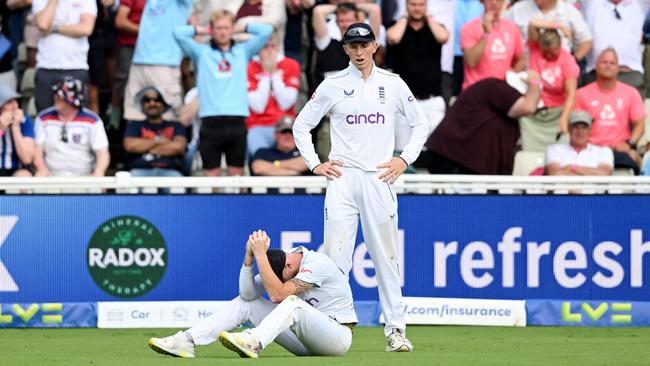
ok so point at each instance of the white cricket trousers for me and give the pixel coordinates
(293, 324)
(358, 194)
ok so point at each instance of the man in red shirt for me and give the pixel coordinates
(273, 84)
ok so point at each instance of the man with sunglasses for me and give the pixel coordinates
(70, 139)
(364, 101)
(283, 159)
(155, 146)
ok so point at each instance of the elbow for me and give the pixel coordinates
(276, 299)
(43, 26)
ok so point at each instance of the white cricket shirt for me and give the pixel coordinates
(362, 119)
(331, 293)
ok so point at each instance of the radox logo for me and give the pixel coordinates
(127, 256)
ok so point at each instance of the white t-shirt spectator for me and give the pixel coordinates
(590, 157)
(85, 134)
(57, 51)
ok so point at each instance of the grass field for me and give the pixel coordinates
(433, 346)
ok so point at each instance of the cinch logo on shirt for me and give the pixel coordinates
(372, 118)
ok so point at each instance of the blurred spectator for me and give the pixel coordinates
(155, 146)
(223, 103)
(127, 24)
(70, 139)
(283, 158)
(646, 52)
(273, 84)
(7, 75)
(190, 119)
(157, 57)
(16, 136)
(491, 45)
(330, 56)
(293, 31)
(101, 54)
(416, 42)
(63, 47)
(443, 13)
(559, 73)
(245, 11)
(31, 34)
(579, 157)
(466, 10)
(617, 110)
(617, 24)
(554, 14)
(479, 133)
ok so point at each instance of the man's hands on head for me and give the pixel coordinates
(259, 243)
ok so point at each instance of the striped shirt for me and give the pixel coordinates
(8, 157)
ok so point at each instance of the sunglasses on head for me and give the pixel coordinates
(358, 32)
(149, 99)
(64, 134)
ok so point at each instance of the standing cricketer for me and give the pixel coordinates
(363, 101)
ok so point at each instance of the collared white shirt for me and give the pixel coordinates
(624, 34)
(331, 293)
(362, 119)
(590, 157)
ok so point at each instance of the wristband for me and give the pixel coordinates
(56, 28)
(276, 163)
(405, 162)
(574, 168)
(266, 74)
(535, 82)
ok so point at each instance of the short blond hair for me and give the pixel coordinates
(222, 13)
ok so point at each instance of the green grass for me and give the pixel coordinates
(433, 346)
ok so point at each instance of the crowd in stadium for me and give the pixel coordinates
(188, 87)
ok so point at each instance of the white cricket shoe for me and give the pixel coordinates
(244, 343)
(177, 345)
(397, 342)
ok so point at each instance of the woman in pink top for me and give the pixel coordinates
(491, 45)
(559, 73)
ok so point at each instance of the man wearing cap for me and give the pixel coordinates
(70, 139)
(364, 101)
(283, 159)
(311, 312)
(579, 157)
(16, 136)
(155, 146)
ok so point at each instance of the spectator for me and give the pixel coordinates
(479, 133)
(329, 49)
(617, 110)
(559, 73)
(30, 31)
(554, 14)
(245, 11)
(155, 146)
(70, 139)
(7, 75)
(579, 157)
(273, 84)
(466, 10)
(416, 43)
(101, 54)
(283, 158)
(222, 72)
(491, 45)
(157, 57)
(443, 13)
(127, 23)
(16, 136)
(63, 47)
(190, 120)
(617, 24)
